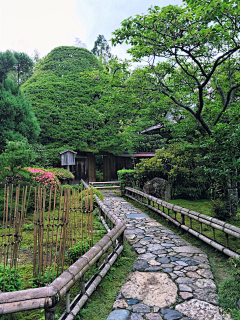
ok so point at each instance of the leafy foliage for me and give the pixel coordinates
(61, 174)
(63, 99)
(180, 165)
(101, 48)
(17, 120)
(126, 176)
(13, 280)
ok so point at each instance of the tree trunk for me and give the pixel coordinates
(231, 197)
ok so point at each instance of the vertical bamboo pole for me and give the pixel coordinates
(51, 245)
(62, 230)
(4, 210)
(71, 217)
(9, 232)
(14, 231)
(81, 219)
(59, 214)
(75, 215)
(5, 237)
(91, 216)
(86, 218)
(35, 235)
(48, 225)
(66, 220)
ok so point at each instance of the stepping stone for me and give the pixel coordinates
(132, 301)
(163, 260)
(187, 249)
(140, 307)
(153, 316)
(171, 314)
(136, 316)
(122, 304)
(140, 265)
(183, 287)
(199, 310)
(118, 315)
(152, 288)
(136, 216)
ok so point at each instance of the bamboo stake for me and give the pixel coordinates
(61, 233)
(5, 262)
(48, 224)
(86, 218)
(35, 236)
(75, 217)
(71, 220)
(81, 219)
(60, 204)
(14, 231)
(9, 232)
(65, 227)
(4, 210)
(53, 219)
(91, 212)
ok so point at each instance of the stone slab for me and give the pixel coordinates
(199, 310)
(118, 315)
(187, 249)
(137, 216)
(153, 289)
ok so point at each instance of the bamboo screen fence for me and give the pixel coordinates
(14, 210)
(62, 218)
(58, 228)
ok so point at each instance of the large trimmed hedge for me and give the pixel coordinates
(63, 97)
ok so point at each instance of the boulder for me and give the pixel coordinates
(158, 188)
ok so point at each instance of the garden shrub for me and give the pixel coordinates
(218, 210)
(126, 176)
(61, 174)
(44, 178)
(15, 282)
(180, 165)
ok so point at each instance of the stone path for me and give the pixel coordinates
(171, 279)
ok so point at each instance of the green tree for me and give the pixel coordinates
(17, 120)
(7, 62)
(24, 66)
(63, 98)
(197, 43)
(102, 49)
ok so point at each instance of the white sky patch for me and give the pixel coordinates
(26, 25)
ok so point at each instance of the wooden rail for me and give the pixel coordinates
(107, 187)
(215, 224)
(48, 297)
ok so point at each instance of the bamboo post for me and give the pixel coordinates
(81, 219)
(59, 213)
(35, 236)
(53, 220)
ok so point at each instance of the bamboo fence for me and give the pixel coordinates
(58, 228)
(14, 212)
(215, 224)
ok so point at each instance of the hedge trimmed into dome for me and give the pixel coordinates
(63, 97)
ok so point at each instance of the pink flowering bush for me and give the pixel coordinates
(44, 178)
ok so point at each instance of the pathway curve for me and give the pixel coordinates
(171, 279)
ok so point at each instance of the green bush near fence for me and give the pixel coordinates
(126, 176)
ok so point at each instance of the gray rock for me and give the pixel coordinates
(153, 269)
(206, 295)
(147, 256)
(140, 265)
(140, 307)
(118, 315)
(153, 316)
(163, 260)
(171, 314)
(239, 303)
(132, 301)
(184, 280)
(158, 188)
(168, 270)
(136, 316)
(183, 287)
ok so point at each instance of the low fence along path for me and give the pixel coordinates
(171, 279)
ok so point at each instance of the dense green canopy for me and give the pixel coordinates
(17, 120)
(63, 98)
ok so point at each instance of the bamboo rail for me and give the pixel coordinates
(49, 296)
(214, 223)
(105, 183)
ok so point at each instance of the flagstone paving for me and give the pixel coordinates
(170, 280)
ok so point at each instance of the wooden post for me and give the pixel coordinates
(106, 168)
(91, 168)
(50, 312)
